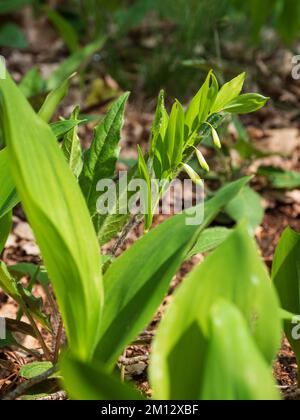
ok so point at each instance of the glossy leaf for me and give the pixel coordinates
(53, 100)
(158, 120)
(61, 128)
(8, 194)
(85, 381)
(196, 108)
(144, 173)
(233, 272)
(101, 158)
(5, 228)
(244, 104)
(228, 92)
(286, 278)
(71, 147)
(8, 283)
(137, 281)
(58, 216)
(209, 240)
(235, 370)
(30, 370)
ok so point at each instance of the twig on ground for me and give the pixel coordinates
(59, 395)
(22, 388)
(133, 360)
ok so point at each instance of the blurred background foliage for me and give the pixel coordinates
(150, 44)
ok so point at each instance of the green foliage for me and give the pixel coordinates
(92, 382)
(247, 205)
(8, 194)
(12, 36)
(234, 368)
(5, 227)
(209, 240)
(30, 370)
(286, 278)
(230, 330)
(53, 99)
(71, 146)
(129, 306)
(240, 278)
(58, 215)
(101, 158)
(280, 178)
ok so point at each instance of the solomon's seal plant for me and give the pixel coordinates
(225, 318)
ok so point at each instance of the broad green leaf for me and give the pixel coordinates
(8, 283)
(65, 29)
(211, 97)
(244, 104)
(58, 216)
(86, 381)
(12, 36)
(72, 63)
(280, 178)
(247, 204)
(196, 108)
(32, 83)
(30, 370)
(8, 194)
(209, 240)
(148, 198)
(129, 305)
(228, 92)
(71, 147)
(53, 100)
(60, 128)
(107, 226)
(5, 227)
(179, 136)
(235, 370)
(286, 278)
(158, 120)
(101, 158)
(235, 272)
(169, 140)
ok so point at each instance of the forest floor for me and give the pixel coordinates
(274, 129)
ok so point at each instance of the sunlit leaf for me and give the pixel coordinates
(58, 216)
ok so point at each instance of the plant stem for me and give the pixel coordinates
(58, 341)
(46, 351)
